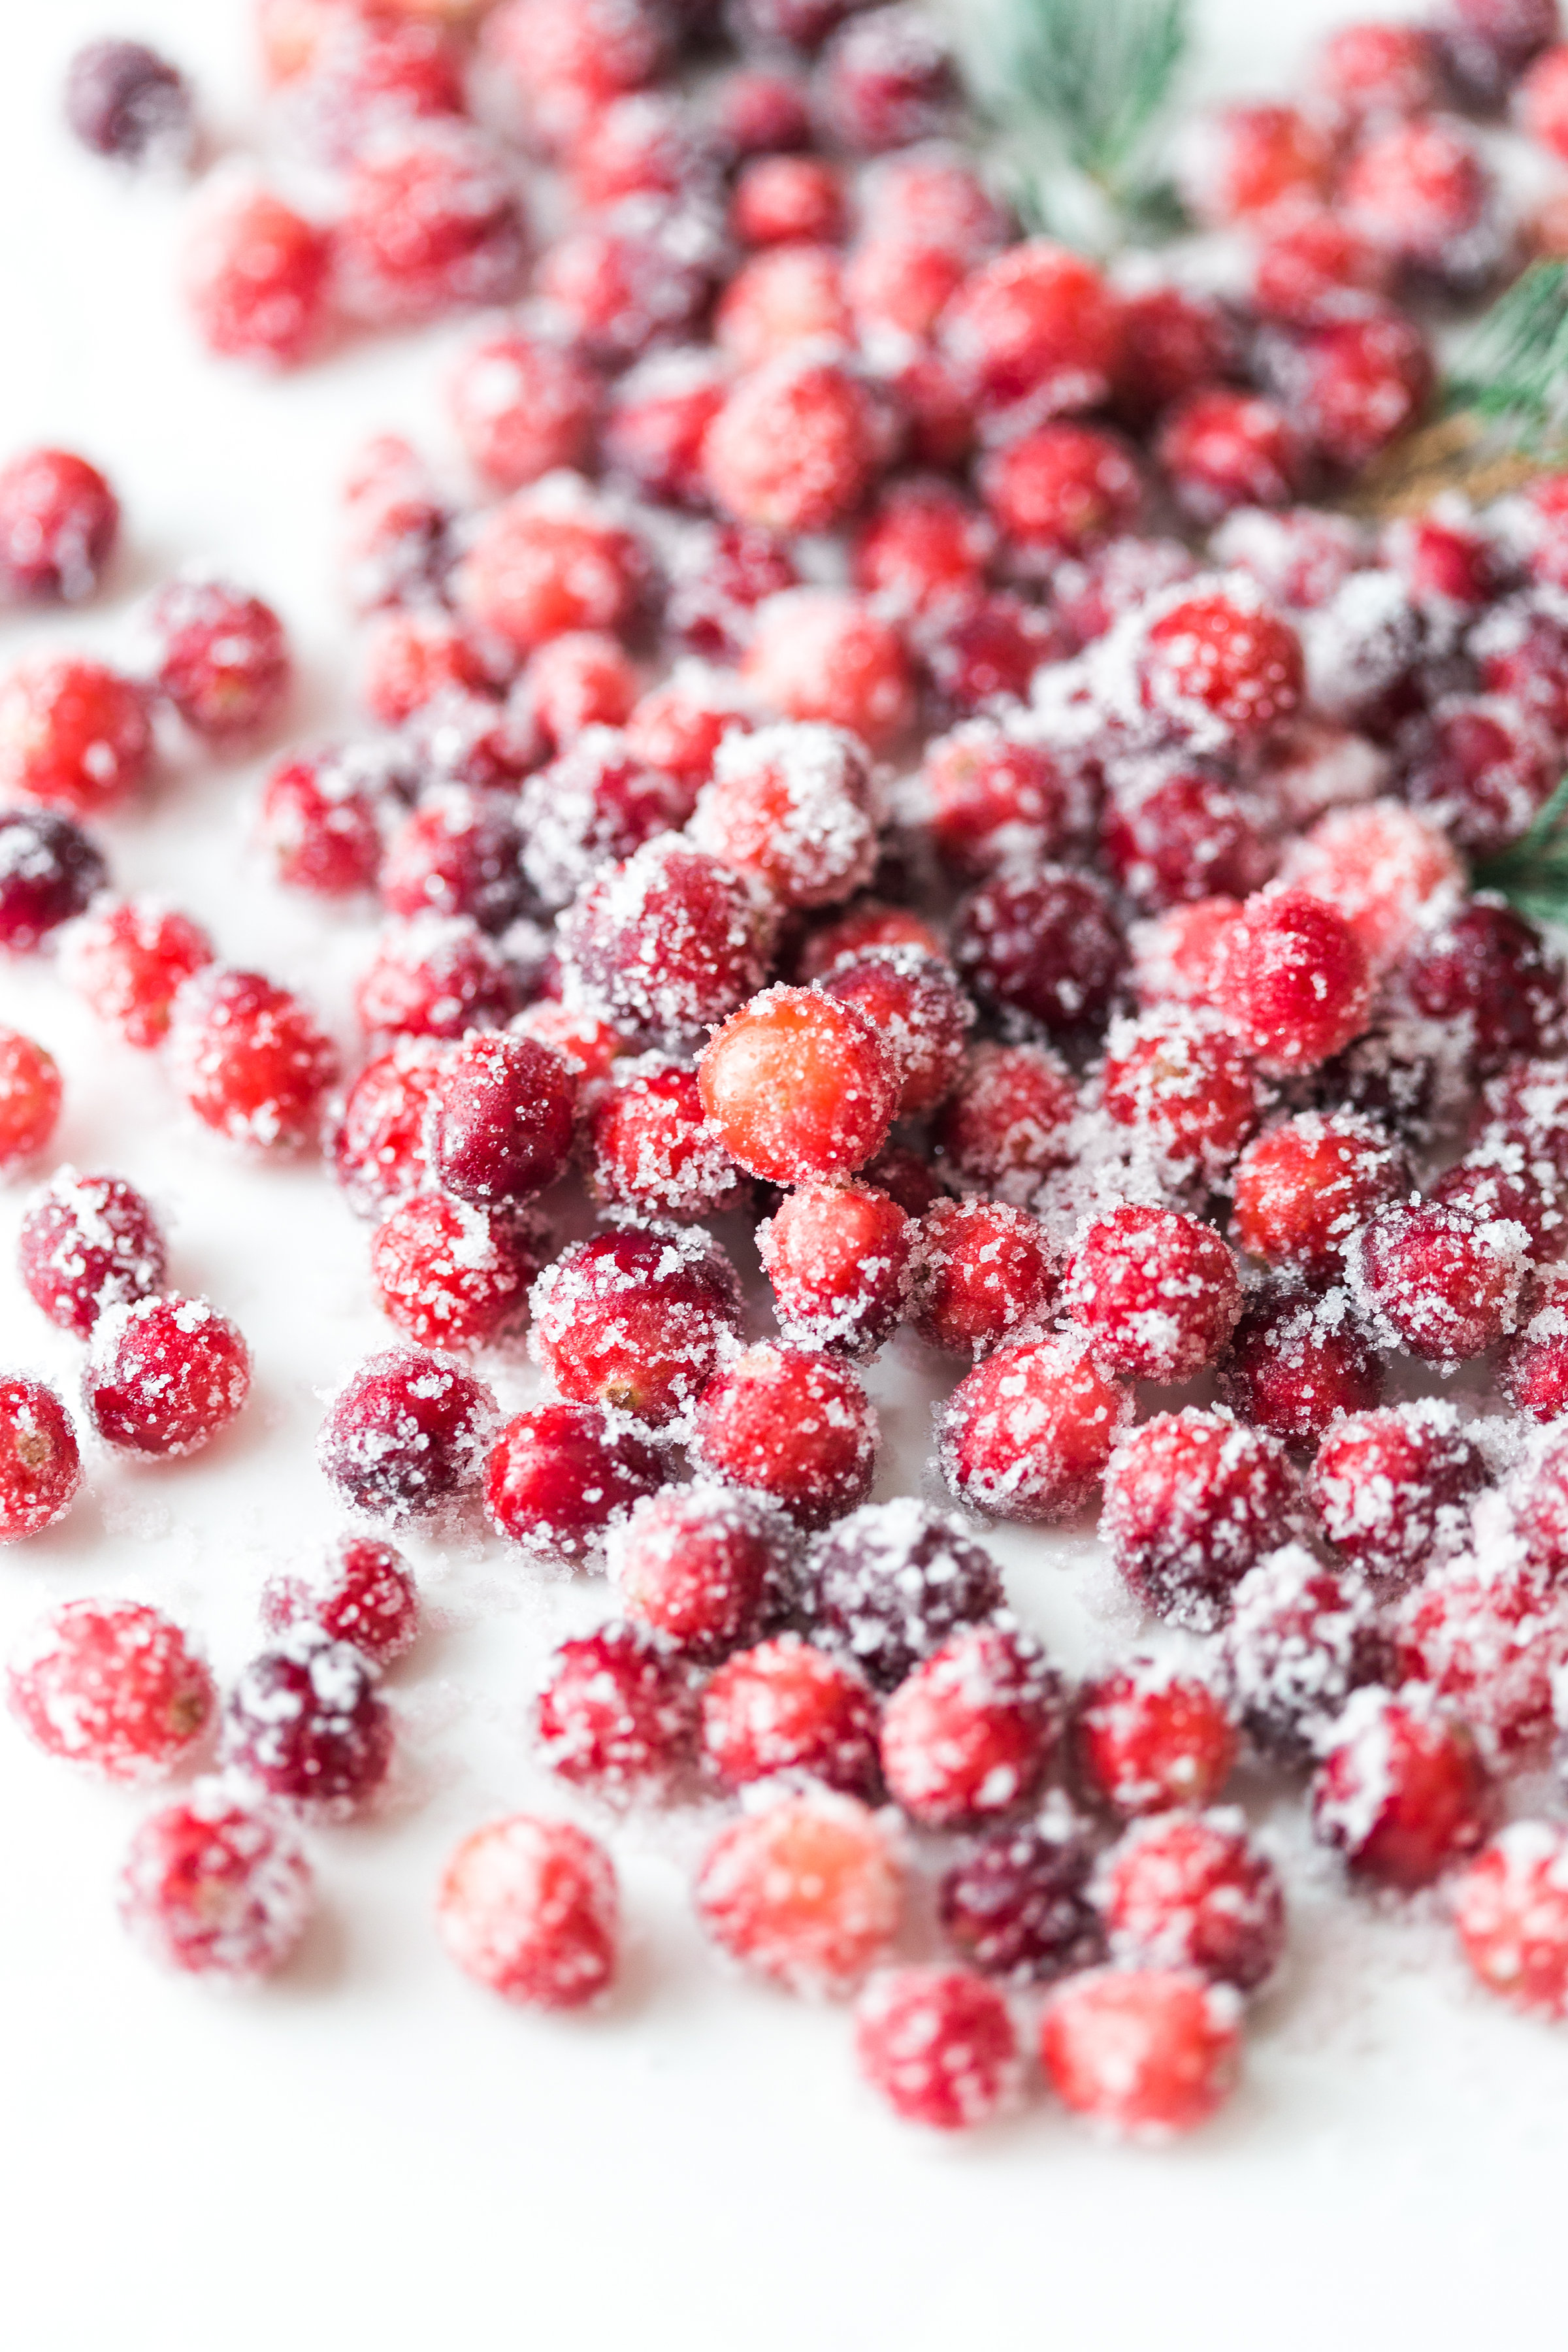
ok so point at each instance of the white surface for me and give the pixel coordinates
(372, 2151)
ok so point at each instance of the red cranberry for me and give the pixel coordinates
(1146, 2053)
(621, 287)
(1180, 836)
(983, 1271)
(457, 853)
(582, 680)
(378, 1140)
(707, 1568)
(430, 222)
(591, 808)
(937, 2044)
(1176, 957)
(408, 1432)
(1510, 1907)
(40, 1463)
(1027, 1433)
(807, 1891)
(1224, 449)
(679, 725)
(1297, 1363)
(759, 111)
(1192, 1500)
(165, 1375)
(923, 547)
(1488, 1640)
(645, 145)
(1149, 1737)
(58, 521)
(665, 945)
(454, 1275)
(794, 1423)
(992, 646)
(396, 528)
(997, 802)
(248, 1058)
(216, 1887)
(500, 1126)
(85, 1244)
(716, 585)
(786, 1708)
(865, 925)
(256, 276)
(638, 1319)
(586, 1044)
(1304, 1187)
(1004, 1127)
(1248, 159)
(113, 1686)
(1379, 68)
(30, 1096)
(779, 300)
(1035, 331)
(127, 959)
(798, 1085)
(1045, 949)
(220, 656)
(1091, 595)
(1294, 979)
(1017, 1903)
(888, 78)
(557, 1477)
(657, 421)
(1300, 558)
(649, 1148)
(1156, 1291)
(49, 871)
(1490, 973)
(318, 821)
(1521, 654)
(1437, 1282)
(358, 1590)
(793, 448)
(1420, 190)
(1308, 265)
(523, 407)
(529, 1910)
(1385, 870)
(787, 805)
(820, 654)
(438, 976)
(1393, 1487)
(1190, 1891)
(1301, 1639)
(616, 1712)
(912, 999)
(1533, 1374)
(969, 1735)
(411, 659)
(1181, 1080)
(1483, 768)
(539, 566)
(892, 1582)
(1216, 668)
(366, 77)
(1495, 1181)
(838, 1257)
(1355, 384)
(1401, 1791)
(305, 1723)
(1060, 490)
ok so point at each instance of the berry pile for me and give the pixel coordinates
(1050, 929)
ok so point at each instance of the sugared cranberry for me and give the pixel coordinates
(839, 1257)
(582, 680)
(912, 999)
(523, 407)
(794, 1423)
(586, 1044)
(1384, 868)
(923, 546)
(378, 1142)
(85, 1244)
(1189, 1890)
(358, 1590)
(1511, 1908)
(367, 75)
(1027, 1433)
(1297, 1363)
(529, 1910)
(1246, 160)
(1437, 1282)
(1004, 1127)
(996, 802)
(437, 977)
(454, 1275)
(798, 1085)
(1392, 1487)
(1304, 1187)
(1401, 1791)
(1489, 1639)
(500, 1125)
(717, 584)
(124, 101)
(217, 1888)
(318, 821)
(807, 1891)
(1148, 1738)
(679, 727)
(1156, 1291)
(113, 1686)
(1489, 973)
(1533, 1374)
(74, 734)
(1308, 263)
(406, 1433)
(1355, 384)
(820, 654)
(622, 287)
(1420, 191)
(1496, 1182)
(58, 522)
(969, 1735)
(539, 566)
(165, 1375)
(793, 448)
(1178, 835)
(779, 300)
(40, 1462)
(248, 1058)
(594, 805)
(1182, 1081)
(457, 853)
(411, 659)
(1482, 767)
(1376, 69)
(706, 1565)
(395, 527)
(1035, 331)
(983, 1271)
(1301, 1639)
(787, 805)
(1146, 2053)
(650, 1150)
(759, 110)
(938, 2044)
(430, 221)
(616, 1712)
(49, 871)
(1060, 490)
(1046, 950)
(305, 1723)
(787, 1707)
(991, 648)
(665, 945)
(892, 1582)
(865, 925)
(1294, 979)
(30, 1097)
(1176, 956)
(220, 656)
(1216, 668)
(1192, 1500)
(1017, 1903)
(639, 1319)
(256, 275)
(559, 1474)
(1225, 449)
(1485, 45)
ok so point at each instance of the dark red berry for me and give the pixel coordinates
(501, 1119)
(1192, 1500)
(85, 1244)
(983, 1271)
(889, 1584)
(558, 1476)
(49, 871)
(306, 1723)
(1046, 950)
(406, 1433)
(1301, 1638)
(1017, 1903)
(459, 851)
(359, 1591)
(665, 945)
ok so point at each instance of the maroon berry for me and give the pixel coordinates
(249, 1058)
(794, 1423)
(1156, 1291)
(357, 1590)
(220, 656)
(85, 1244)
(1297, 1363)
(500, 1120)
(529, 1910)
(408, 1432)
(58, 522)
(113, 1686)
(123, 101)
(639, 1319)
(1189, 1890)
(1017, 1903)
(215, 1887)
(1192, 1500)
(1004, 1126)
(616, 1712)
(1046, 950)
(1401, 1791)
(439, 976)
(969, 1735)
(839, 1258)
(1174, 837)
(459, 851)
(1489, 973)
(889, 1584)
(984, 1272)
(996, 802)
(306, 1723)
(165, 1375)
(591, 808)
(787, 1707)
(665, 945)
(1148, 1738)
(1301, 1639)
(1437, 1282)
(557, 1477)
(1393, 1487)
(706, 1567)
(937, 2044)
(40, 1463)
(50, 870)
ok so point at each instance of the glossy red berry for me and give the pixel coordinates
(798, 1085)
(1293, 978)
(839, 1257)
(557, 1477)
(113, 1686)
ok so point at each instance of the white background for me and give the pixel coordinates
(371, 2151)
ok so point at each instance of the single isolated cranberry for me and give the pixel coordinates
(665, 945)
(558, 1476)
(1027, 1433)
(1192, 1500)
(1393, 1487)
(124, 101)
(317, 820)
(256, 275)
(1005, 1124)
(788, 1708)
(892, 1582)
(58, 521)
(357, 1590)
(127, 959)
(249, 1059)
(1179, 1078)
(217, 1888)
(984, 1272)
(794, 1423)
(639, 1319)
(220, 656)
(1156, 1291)
(49, 871)
(529, 1910)
(1017, 1903)
(1402, 1791)
(406, 1433)
(706, 1567)
(970, 1734)
(1301, 1637)
(616, 1712)
(31, 1092)
(1511, 1908)
(306, 1723)
(1439, 1283)
(650, 1150)
(1190, 1890)
(1044, 951)
(938, 2044)
(1146, 2053)
(87, 1242)
(798, 1085)
(40, 1462)
(113, 1686)
(839, 1257)
(1147, 1738)
(165, 1375)
(807, 1892)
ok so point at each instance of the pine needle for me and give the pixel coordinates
(1532, 875)
(1513, 372)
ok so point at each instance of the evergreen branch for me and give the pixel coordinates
(1532, 875)
(1512, 373)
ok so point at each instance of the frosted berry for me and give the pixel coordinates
(406, 1433)
(923, 547)
(1392, 1487)
(648, 1149)
(1437, 1282)
(58, 521)
(1304, 1187)
(410, 659)
(1216, 668)
(439, 976)
(787, 1707)
(794, 1423)
(248, 1058)
(589, 808)
(665, 945)
(996, 802)
(1035, 331)
(113, 1686)
(798, 1085)
(1487, 1638)
(992, 647)
(1156, 1291)
(529, 1910)
(616, 1712)
(582, 680)
(1401, 1791)
(1004, 1126)
(1027, 1433)
(889, 1584)
(1355, 384)
(317, 820)
(1533, 1373)
(865, 925)
(256, 276)
(1489, 975)
(1017, 1903)
(1180, 1079)
(794, 447)
(165, 1375)
(40, 1462)
(1147, 1738)
(1189, 1890)
(1192, 1500)
(523, 407)
(536, 569)
(378, 1137)
(217, 1888)
(821, 655)
(49, 871)
(558, 1476)
(1225, 449)
(458, 853)
(1060, 490)
(787, 805)
(938, 2044)
(679, 727)
(639, 1319)
(87, 1242)
(706, 1567)
(30, 1097)
(913, 1000)
(983, 1271)
(1297, 1363)
(430, 221)
(454, 1275)
(1294, 979)
(1511, 1908)
(501, 1119)
(622, 287)
(305, 1723)
(970, 1734)
(1301, 1637)
(839, 1258)
(807, 1892)
(359, 1591)
(778, 300)
(1145, 2053)
(1420, 190)
(127, 958)
(1045, 950)
(220, 656)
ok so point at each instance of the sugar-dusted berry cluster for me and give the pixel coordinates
(899, 810)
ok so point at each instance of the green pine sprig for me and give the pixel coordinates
(1073, 95)
(1513, 372)
(1532, 874)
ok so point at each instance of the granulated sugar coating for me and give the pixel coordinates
(905, 916)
